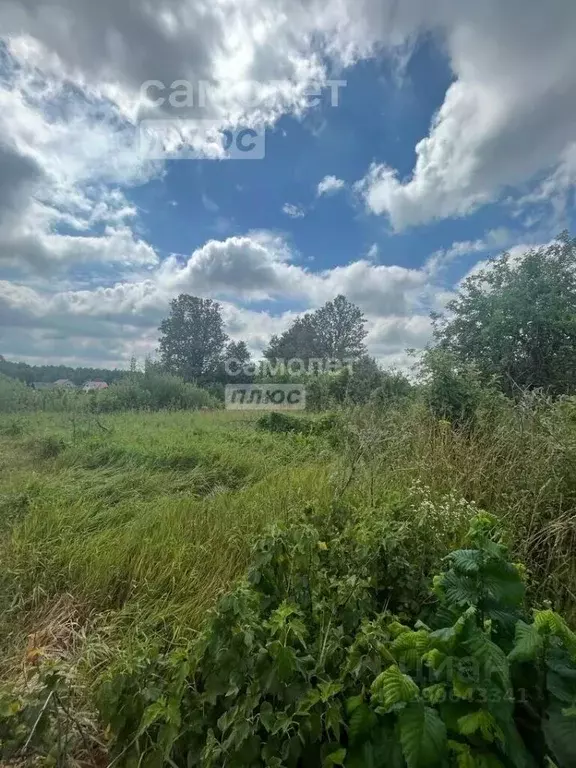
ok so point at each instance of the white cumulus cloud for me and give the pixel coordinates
(71, 76)
(329, 185)
(294, 211)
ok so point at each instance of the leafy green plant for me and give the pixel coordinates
(307, 664)
(15, 427)
(453, 389)
(281, 422)
(16, 396)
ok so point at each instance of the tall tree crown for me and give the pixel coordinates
(335, 331)
(516, 319)
(192, 338)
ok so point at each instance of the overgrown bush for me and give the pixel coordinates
(151, 391)
(47, 446)
(393, 387)
(16, 427)
(364, 382)
(15, 396)
(320, 391)
(308, 663)
(453, 390)
(37, 726)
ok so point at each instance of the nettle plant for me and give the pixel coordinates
(308, 663)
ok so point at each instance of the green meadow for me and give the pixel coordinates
(124, 535)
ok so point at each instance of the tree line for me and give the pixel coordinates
(194, 345)
(513, 321)
(48, 374)
(511, 325)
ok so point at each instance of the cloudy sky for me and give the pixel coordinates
(397, 144)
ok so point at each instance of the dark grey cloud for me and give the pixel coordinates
(18, 175)
(126, 41)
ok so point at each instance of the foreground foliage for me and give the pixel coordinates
(138, 523)
(312, 662)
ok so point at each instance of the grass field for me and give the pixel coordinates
(146, 517)
(151, 516)
(126, 529)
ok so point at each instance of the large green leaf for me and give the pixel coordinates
(467, 560)
(482, 723)
(560, 736)
(528, 643)
(491, 656)
(393, 687)
(335, 758)
(503, 582)
(467, 757)
(460, 590)
(422, 735)
(361, 723)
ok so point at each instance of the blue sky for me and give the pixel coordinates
(378, 119)
(453, 139)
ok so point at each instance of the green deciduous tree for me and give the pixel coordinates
(365, 378)
(298, 341)
(339, 329)
(335, 331)
(235, 365)
(238, 355)
(453, 388)
(516, 319)
(192, 338)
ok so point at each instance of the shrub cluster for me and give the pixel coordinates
(16, 397)
(366, 383)
(316, 661)
(152, 391)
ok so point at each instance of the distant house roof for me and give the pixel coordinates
(64, 383)
(89, 385)
(42, 385)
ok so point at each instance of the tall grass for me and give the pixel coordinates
(150, 520)
(142, 520)
(518, 462)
